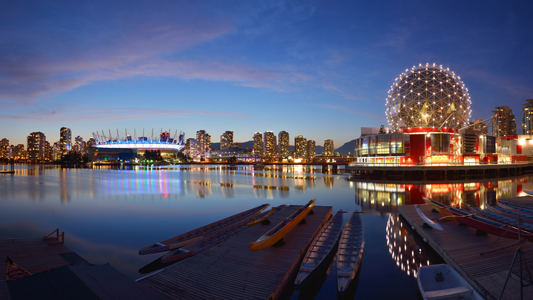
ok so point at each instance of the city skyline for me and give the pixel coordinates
(317, 69)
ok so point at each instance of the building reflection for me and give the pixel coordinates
(404, 248)
(387, 196)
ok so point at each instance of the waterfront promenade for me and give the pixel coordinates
(437, 171)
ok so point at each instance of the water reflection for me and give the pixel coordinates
(404, 247)
(387, 196)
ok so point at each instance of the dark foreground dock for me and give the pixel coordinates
(232, 271)
(462, 249)
(59, 273)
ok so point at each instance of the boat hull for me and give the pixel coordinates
(350, 253)
(282, 229)
(481, 223)
(320, 248)
(443, 282)
(179, 240)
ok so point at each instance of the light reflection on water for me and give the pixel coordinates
(108, 214)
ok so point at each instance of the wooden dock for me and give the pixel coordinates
(231, 270)
(34, 255)
(461, 248)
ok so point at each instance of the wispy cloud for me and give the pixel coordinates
(112, 114)
(349, 110)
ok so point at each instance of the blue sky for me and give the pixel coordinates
(321, 69)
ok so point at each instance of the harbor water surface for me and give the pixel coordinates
(109, 214)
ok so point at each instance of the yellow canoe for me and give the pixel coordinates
(277, 233)
(265, 217)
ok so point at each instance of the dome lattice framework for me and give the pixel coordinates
(428, 96)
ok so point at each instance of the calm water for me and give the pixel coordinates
(108, 215)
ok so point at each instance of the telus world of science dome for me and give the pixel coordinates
(428, 96)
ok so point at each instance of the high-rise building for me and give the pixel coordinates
(270, 144)
(311, 149)
(203, 142)
(226, 140)
(80, 145)
(527, 117)
(506, 124)
(18, 152)
(36, 144)
(300, 145)
(65, 140)
(283, 138)
(258, 143)
(480, 128)
(4, 148)
(48, 151)
(191, 147)
(329, 149)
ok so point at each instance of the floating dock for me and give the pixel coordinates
(475, 256)
(34, 255)
(59, 273)
(231, 270)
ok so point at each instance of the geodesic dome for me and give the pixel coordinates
(428, 96)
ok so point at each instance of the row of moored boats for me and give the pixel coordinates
(346, 240)
(504, 220)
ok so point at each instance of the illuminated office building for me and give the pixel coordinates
(258, 143)
(4, 148)
(270, 144)
(311, 149)
(36, 146)
(300, 145)
(506, 124)
(329, 148)
(527, 117)
(226, 140)
(65, 140)
(283, 139)
(203, 141)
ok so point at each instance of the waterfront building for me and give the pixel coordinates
(270, 146)
(527, 117)
(55, 151)
(329, 148)
(119, 149)
(226, 140)
(18, 152)
(426, 107)
(258, 143)
(65, 140)
(203, 140)
(505, 124)
(300, 145)
(90, 143)
(283, 138)
(235, 154)
(311, 149)
(4, 148)
(36, 146)
(81, 146)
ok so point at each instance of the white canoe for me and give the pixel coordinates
(444, 282)
(427, 220)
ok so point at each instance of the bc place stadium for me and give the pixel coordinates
(117, 147)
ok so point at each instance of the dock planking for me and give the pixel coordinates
(231, 270)
(461, 248)
(34, 255)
